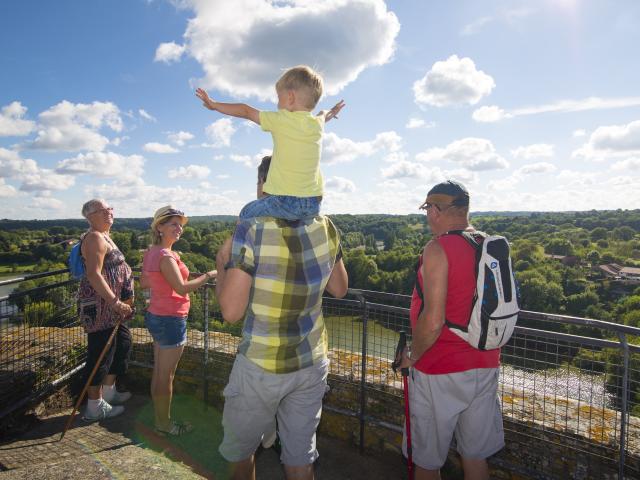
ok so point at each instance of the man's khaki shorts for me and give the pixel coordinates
(464, 403)
(253, 399)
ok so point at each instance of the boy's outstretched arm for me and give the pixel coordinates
(333, 113)
(239, 110)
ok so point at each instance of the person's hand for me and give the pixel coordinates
(333, 113)
(206, 100)
(406, 361)
(122, 309)
(212, 274)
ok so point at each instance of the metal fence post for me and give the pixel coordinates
(363, 370)
(205, 357)
(624, 416)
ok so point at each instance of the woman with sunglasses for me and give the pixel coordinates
(104, 297)
(166, 275)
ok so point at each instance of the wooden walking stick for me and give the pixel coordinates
(93, 373)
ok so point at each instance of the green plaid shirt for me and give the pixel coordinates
(290, 262)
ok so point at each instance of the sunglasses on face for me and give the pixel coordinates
(103, 210)
(428, 206)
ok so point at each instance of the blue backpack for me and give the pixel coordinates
(76, 262)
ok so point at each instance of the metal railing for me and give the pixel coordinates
(579, 391)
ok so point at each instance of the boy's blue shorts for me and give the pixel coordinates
(282, 206)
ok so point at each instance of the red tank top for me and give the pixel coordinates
(450, 353)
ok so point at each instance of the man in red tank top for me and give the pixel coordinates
(453, 386)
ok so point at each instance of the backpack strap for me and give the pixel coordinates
(475, 239)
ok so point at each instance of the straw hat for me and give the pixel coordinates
(165, 212)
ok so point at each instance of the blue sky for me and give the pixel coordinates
(533, 105)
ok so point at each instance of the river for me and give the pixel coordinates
(7, 289)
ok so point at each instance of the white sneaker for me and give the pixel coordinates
(269, 439)
(103, 411)
(115, 397)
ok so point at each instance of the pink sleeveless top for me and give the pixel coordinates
(450, 353)
(164, 300)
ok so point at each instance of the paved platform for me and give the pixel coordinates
(126, 447)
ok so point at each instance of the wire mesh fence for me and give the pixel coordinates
(41, 340)
(580, 392)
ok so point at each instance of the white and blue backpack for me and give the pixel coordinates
(495, 303)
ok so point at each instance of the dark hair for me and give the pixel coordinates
(263, 168)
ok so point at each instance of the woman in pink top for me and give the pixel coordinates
(166, 317)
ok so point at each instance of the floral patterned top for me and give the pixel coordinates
(95, 312)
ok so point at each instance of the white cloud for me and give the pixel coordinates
(406, 169)
(156, 147)
(340, 184)
(579, 133)
(507, 16)
(190, 172)
(222, 176)
(537, 150)
(475, 26)
(628, 164)
(180, 138)
(73, 127)
(472, 153)
(419, 123)
(611, 142)
(142, 199)
(391, 185)
(339, 150)
(220, 133)
(169, 52)
(45, 179)
(539, 167)
(490, 114)
(104, 165)
(617, 137)
(245, 160)
(147, 116)
(339, 38)
(11, 122)
(454, 81)
(494, 113)
(6, 191)
(13, 166)
(46, 203)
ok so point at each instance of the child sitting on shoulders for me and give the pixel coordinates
(294, 186)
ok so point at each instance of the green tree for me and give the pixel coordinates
(623, 233)
(599, 233)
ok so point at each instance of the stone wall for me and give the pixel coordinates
(533, 450)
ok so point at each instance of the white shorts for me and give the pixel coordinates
(464, 403)
(254, 397)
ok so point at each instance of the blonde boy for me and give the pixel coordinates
(294, 185)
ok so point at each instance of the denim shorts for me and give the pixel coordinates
(167, 331)
(282, 206)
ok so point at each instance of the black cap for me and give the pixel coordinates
(450, 192)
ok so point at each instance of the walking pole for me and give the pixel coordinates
(402, 343)
(93, 373)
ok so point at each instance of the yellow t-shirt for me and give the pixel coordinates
(297, 144)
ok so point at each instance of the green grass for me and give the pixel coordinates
(197, 449)
(8, 269)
